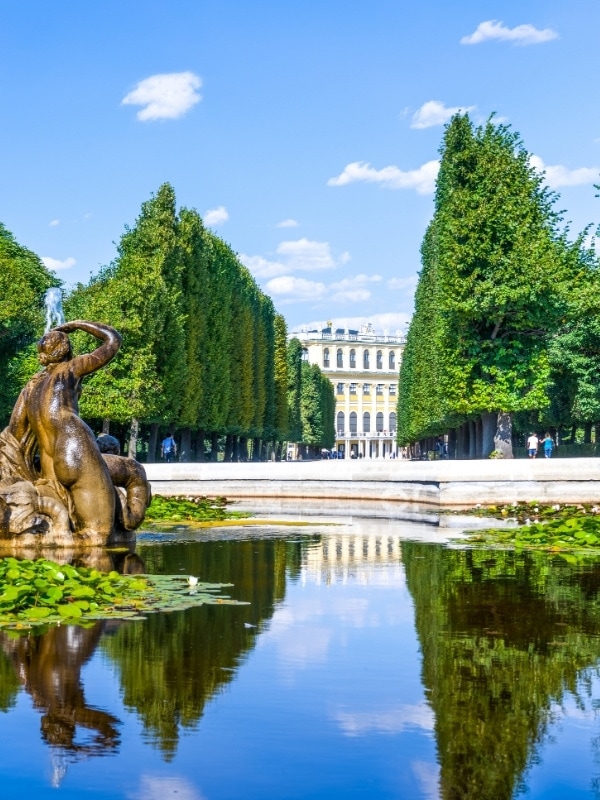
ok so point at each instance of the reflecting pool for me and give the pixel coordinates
(371, 662)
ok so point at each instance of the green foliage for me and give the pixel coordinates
(496, 275)
(203, 348)
(504, 634)
(139, 295)
(281, 412)
(23, 282)
(294, 384)
(172, 665)
(190, 509)
(44, 592)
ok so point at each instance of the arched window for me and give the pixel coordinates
(326, 357)
(379, 422)
(366, 422)
(379, 359)
(353, 359)
(366, 359)
(341, 423)
(340, 358)
(392, 422)
(353, 425)
(392, 360)
(340, 388)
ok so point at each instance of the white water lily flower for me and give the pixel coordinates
(192, 580)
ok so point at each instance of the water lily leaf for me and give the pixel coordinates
(69, 610)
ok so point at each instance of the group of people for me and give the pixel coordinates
(534, 442)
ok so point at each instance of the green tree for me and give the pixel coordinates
(24, 281)
(498, 269)
(140, 295)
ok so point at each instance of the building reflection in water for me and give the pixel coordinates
(361, 558)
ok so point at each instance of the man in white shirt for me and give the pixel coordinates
(532, 445)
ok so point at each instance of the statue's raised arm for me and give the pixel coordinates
(89, 362)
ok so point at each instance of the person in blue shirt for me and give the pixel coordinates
(548, 443)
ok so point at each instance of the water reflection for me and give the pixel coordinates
(48, 666)
(504, 637)
(325, 660)
(170, 666)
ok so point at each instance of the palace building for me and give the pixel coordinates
(363, 368)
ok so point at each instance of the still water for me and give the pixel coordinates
(370, 663)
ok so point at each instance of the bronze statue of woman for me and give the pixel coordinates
(46, 418)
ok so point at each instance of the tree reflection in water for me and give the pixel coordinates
(172, 664)
(169, 665)
(503, 636)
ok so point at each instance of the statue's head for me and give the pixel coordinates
(53, 347)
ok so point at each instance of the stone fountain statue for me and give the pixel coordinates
(56, 486)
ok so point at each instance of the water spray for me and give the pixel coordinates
(54, 309)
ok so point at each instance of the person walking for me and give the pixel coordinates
(532, 445)
(548, 443)
(168, 448)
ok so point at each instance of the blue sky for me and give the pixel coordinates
(305, 133)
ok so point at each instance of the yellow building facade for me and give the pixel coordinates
(363, 368)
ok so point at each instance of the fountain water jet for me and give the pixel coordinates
(54, 309)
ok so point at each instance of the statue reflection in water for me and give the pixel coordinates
(49, 669)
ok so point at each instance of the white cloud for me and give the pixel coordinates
(305, 255)
(263, 268)
(434, 112)
(301, 255)
(291, 289)
(558, 175)
(422, 180)
(287, 223)
(216, 216)
(55, 264)
(353, 289)
(54, 223)
(405, 284)
(166, 96)
(521, 34)
(387, 321)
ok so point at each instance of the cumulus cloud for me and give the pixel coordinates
(404, 284)
(387, 321)
(166, 96)
(53, 223)
(263, 268)
(558, 175)
(422, 180)
(288, 223)
(520, 35)
(434, 112)
(300, 255)
(306, 255)
(290, 289)
(353, 289)
(55, 264)
(216, 216)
